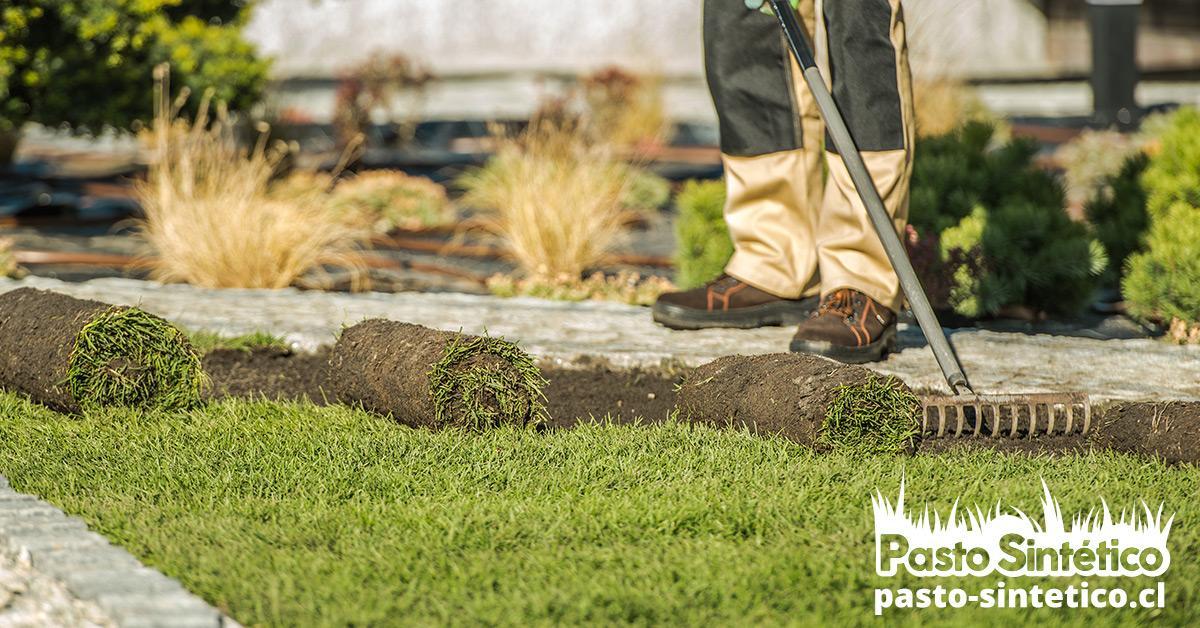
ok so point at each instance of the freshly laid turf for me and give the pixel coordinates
(296, 515)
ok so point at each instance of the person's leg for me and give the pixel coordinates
(771, 142)
(863, 48)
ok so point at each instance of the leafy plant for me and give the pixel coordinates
(703, 245)
(1173, 175)
(1117, 213)
(950, 177)
(646, 191)
(385, 200)
(1164, 281)
(374, 85)
(83, 62)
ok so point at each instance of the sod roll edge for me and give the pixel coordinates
(428, 378)
(73, 355)
(809, 399)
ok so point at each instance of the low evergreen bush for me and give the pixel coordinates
(1173, 175)
(1117, 213)
(1164, 281)
(1005, 238)
(703, 245)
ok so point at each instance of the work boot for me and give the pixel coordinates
(849, 327)
(729, 302)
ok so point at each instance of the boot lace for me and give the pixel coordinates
(840, 304)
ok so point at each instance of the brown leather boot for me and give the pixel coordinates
(729, 302)
(849, 327)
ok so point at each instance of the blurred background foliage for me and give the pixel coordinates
(87, 63)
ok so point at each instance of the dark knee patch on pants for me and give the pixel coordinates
(862, 64)
(750, 80)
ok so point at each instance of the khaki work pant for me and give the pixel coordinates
(797, 230)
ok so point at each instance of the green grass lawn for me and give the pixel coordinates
(297, 515)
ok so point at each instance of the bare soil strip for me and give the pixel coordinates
(577, 395)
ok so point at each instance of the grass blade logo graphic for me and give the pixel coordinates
(976, 542)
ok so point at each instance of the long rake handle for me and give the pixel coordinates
(797, 39)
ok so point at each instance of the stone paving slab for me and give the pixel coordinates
(624, 335)
(56, 572)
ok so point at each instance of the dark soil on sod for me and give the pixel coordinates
(573, 394)
(580, 392)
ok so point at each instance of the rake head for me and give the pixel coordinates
(1006, 416)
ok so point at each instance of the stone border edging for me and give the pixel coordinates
(94, 571)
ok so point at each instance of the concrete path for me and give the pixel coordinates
(56, 572)
(625, 335)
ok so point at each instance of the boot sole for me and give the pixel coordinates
(767, 315)
(873, 352)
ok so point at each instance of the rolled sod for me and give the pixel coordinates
(428, 378)
(809, 399)
(74, 355)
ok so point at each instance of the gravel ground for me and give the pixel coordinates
(29, 599)
(625, 336)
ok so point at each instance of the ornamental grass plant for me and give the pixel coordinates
(209, 218)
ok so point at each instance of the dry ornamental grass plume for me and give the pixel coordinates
(625, 109)
(8, 262)
(209, 219)
(943, 105)
(553, 197)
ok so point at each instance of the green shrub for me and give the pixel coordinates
(386, 200)
(950, 177)
(1174, 172)
(1021, 253)
(1005, 237)
(1164, 281)
(88, 63)
(1117, 213)
(703, 245)
(646, 190)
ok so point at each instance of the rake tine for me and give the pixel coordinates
(1052, 404)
